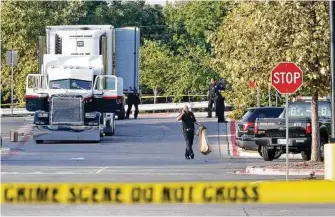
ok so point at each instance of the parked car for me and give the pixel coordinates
(245, 126)
(270, 133)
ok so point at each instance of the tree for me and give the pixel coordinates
(258, 35)
(155, 67)
(22, 23)
(190, 22)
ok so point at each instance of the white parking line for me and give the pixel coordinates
(102, 169)
(77, 158)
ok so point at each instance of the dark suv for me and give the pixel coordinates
(245, 126)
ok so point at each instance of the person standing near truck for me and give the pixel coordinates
(219, 101)
(211, 97)
(133, 99)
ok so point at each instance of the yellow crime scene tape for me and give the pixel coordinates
(167, 193)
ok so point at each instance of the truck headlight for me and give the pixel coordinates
(43, 115)
(90, 115)
(93, 123)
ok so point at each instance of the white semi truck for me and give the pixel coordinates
(82, 81)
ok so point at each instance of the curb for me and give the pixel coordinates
(266, 171)
(231, 133)
(255, 154)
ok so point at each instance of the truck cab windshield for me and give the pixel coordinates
(70, 84)
(297, 110)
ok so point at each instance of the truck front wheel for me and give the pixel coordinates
(268, 154)
(110, 123)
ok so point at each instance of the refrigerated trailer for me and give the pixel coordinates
(127, 44)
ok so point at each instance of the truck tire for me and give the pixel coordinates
(268, 154)
(108, 123)
(306, 154)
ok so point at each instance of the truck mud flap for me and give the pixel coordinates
(66, 133)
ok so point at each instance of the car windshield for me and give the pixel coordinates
(252, 114)
(70, 84)
(304, 110)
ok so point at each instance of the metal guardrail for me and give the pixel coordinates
(141, 107)
(146, 99)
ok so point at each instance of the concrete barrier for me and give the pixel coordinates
(329, 160)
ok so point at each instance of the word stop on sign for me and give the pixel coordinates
(286, 77)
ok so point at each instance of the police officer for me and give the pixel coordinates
(211, 97)
(219, 101)
(188, 121)
(133, 99)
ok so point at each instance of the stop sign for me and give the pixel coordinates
(286, 77)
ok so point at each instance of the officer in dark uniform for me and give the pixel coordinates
(188, 121)
(211, 97)
(219, 101)
(133, 99)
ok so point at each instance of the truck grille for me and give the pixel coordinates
(66, 110)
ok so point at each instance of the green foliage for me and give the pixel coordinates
(156, 64)
(170, 74)
(258, 35)
(190, 22)
(21, 24)
(127, 13)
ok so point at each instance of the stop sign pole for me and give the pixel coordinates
(286, 78)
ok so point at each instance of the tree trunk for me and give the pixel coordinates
(155, 95)
(315, 128)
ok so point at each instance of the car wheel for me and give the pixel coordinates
(278, 154)
(268, 154)
(323, 141)
(306, 154)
